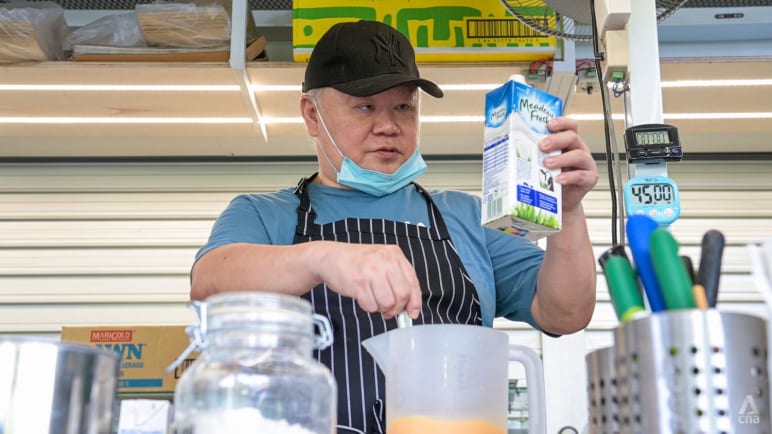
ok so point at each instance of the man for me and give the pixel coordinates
(363, 243)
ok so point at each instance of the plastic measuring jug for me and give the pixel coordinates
(453, 379)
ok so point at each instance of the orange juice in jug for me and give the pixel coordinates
(425, 425)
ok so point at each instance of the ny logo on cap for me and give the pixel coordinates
(387, 45)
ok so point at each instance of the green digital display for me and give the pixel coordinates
(649, 142)
(652, 138)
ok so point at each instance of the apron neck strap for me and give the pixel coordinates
(307, 215)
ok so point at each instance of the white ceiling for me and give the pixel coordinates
(681, 60)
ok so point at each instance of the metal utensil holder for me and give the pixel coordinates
(602, 391)
(692, 371)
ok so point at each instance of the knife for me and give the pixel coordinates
(709, 273)
(622, 284)
(671, 273)
(697, 289)
(639, 227)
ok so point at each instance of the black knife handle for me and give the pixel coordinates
(709, 272)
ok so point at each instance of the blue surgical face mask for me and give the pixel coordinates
(372, 181)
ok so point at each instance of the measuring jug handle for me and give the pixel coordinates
(534, 377)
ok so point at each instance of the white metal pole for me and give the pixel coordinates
(239, 11)
(645, 89)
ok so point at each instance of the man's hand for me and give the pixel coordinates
(378, 276)
(579, 173)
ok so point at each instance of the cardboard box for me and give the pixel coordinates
(440, 30)
(18, 42)
(31, 31)
(145, 352)
(183, 25)
(520, 195)
(197, 31)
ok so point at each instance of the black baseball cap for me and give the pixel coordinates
(364, 58)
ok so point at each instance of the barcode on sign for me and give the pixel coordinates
(494, 207)
(504, 28)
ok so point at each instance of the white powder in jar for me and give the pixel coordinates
(242, 421)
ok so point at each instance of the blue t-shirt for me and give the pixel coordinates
(503, 267)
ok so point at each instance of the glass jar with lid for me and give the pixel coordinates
(255, 373)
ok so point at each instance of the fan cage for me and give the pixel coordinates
(565, 27)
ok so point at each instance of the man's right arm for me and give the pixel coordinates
(379, 277)
(255, 267)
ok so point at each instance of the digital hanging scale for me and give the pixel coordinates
(653, 194)
(652, 142)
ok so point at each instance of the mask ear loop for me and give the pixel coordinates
(324, 154)
(329, 136)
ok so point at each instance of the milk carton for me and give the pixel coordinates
(520, 195)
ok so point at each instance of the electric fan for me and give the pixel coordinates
(544, 16)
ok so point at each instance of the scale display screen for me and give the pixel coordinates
(654, 196)
(652, 142)
(653, 138)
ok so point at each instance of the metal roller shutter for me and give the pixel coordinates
(113, 242)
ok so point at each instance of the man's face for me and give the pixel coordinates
(377, 132)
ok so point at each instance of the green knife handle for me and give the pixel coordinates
(622, 284)
(671, 273)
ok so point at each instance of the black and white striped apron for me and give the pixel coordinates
(449, 296)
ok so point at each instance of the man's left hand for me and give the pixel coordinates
(579, 173)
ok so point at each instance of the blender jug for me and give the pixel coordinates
(453, 379)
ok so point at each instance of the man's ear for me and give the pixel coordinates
(310, 116)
